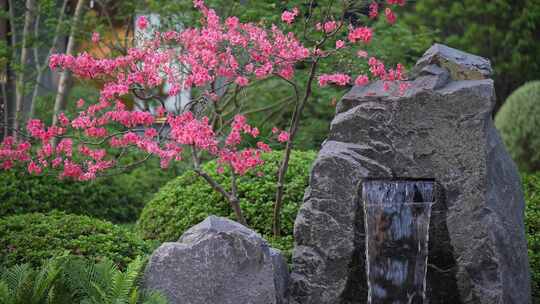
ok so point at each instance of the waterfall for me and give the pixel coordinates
(397, 216)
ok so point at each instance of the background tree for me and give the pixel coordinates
(505, 31)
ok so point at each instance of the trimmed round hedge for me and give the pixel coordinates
(188, 199)
(34, 237)
(531, 187)
(518, 122)
(119, 198)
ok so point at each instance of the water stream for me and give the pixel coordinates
(397, 215)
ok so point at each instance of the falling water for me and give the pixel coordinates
(397, 215)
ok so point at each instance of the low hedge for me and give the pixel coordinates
(118, 198)
(188, 199)
(531, 187)
(34, 237)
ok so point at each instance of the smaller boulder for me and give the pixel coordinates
(218, 261)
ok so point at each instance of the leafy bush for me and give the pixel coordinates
(187, 200)
(34, 237)
(518, 122)
(119, 198)
(531, 186)
(68, 280)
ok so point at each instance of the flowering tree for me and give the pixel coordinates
(219, 59)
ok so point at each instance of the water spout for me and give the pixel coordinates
(397, 216)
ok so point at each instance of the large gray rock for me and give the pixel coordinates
(440, 129)
(218, 262)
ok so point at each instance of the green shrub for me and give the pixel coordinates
(518, 122)
(531, 186)
(34, 237)
(187, 200)
(118, 198)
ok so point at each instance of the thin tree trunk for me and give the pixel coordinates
(276, 220)
(41, 67)
(232, 198)
(3, 77)
(29, 17)
(38, 70)
(5, 118)
(11, 81)
(61, 93)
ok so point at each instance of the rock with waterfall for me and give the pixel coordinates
(218, 261)
(440, 130)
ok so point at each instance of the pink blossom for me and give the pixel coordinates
(340, 44)
(362, 54)
(330, 26)
(80, 103)
(398, 2)
(373, 10)
(390, 16)
(63, 120)
(288, 16)
(403, 87)
(361, 80)
(34, 168)
(142, 22)
(283, 137)
(263, 147)
(360, 33)
(95, 37)
(242, 81)
(337, 79)
(65, 146)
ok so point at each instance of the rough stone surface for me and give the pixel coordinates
(440, 129)
(461, 65)
(218, 262)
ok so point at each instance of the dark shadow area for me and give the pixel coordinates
(441, 272)
(356, 291)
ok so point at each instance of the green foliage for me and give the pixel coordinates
(34, 237)
(188, 199)
(505, 31)
(518, 122)
(68, 280)
(22, 284)
(531, 186)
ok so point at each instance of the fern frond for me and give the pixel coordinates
(19, 280)
(153, 297)
(44, 281)
(125, 282)
(6, 296)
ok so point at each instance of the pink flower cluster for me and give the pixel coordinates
(373, 10)
(396, 2)
(337, 79)
(288, 16)
(327, 27)
(362, 33)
